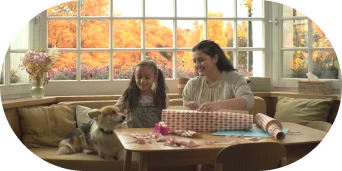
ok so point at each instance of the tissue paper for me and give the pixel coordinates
(312, 77)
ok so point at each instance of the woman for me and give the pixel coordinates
(218, 85)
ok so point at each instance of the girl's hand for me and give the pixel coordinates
(192, 105)
(208, 107)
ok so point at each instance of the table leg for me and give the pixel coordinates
(143, 165)
(127, 161)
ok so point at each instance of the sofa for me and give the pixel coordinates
(18, 118)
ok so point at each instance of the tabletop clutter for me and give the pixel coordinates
(189, 123)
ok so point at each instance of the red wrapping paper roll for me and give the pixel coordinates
(206, 121)
(270, 125)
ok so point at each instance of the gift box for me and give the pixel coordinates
(206, 121)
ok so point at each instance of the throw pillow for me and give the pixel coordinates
(44, 126)
(82, 115)
(302, 111)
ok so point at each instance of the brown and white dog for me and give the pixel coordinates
(97, 136)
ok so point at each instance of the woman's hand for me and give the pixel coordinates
(192, 105)
(208, 107)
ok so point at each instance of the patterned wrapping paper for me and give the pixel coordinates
(206, 121)
(270, 125)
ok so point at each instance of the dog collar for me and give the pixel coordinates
(106, 132)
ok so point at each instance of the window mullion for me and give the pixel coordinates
(143, 55)
(6, 70)
(111, 48)
(310, 40)
(174, 56)
(235, 33)
(78, 45)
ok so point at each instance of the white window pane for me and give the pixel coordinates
(62, 33)
(124, 63)
(222, 32)
(17, 74)
(158, 8)
(127, 8)
(95, 65)
(295, 64)
(21, 40)
(250, 8)
(163, 59)
(319, 37)
(63, 9)
(189, 32)
(290, 12)
(95, 8)
(295, 33)
(248, 61)
(325, 64)
(2, 74)
(221, 8)
(250, 34)
(158, 33)
(65, 67)
(197, 8)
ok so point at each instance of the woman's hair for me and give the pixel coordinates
(211, 48)
(132, 93)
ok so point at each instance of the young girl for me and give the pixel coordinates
(145, 97)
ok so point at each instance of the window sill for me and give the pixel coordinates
(21, 102)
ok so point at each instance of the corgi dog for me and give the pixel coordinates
(97, 136)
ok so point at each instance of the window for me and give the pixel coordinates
(11, 73)
(104, 39)
(101, 41)
(303, 48)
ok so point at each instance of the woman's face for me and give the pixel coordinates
(204, 63)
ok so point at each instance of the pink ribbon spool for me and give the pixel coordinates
(164, 130)
(156, 128)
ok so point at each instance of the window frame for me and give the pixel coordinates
(272, 55)
(277, 28)
(19, 90)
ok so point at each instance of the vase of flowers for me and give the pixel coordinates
(37, 90)
(37, 65)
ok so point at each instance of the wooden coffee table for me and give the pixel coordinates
(298, 143)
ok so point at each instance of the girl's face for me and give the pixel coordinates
(204, 63)
(144, 77)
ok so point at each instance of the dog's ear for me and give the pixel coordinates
(94, 113)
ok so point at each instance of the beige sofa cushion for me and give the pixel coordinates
(91, 104)
(46, 125)
(302, 111)
(82, 115)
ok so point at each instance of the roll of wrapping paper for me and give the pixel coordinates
(270, 125)
(206, 121)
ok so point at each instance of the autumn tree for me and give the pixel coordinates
(126, 34)
(325, 62)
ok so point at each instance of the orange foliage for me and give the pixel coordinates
(126, 34)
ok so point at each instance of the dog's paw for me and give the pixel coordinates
(86, 151)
